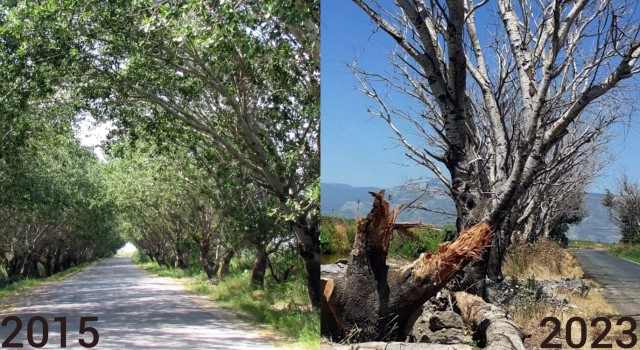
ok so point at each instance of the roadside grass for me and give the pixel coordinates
(17, 287)
(589, 307)
(337, 236)
(627, 251)
(545, 260)
(284, 306)
(426, 239)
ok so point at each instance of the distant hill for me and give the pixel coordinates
(342, 200)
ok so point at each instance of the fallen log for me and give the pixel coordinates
(373, 302)
(500, 331)
(395, 346)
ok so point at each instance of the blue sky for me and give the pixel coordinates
(359, 150)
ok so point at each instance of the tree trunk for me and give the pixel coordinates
(14, 268)
(30, 269)
(216, 261)
(66, 263)
(48, 265)
(308, 230)
(498, 251)
(181, 258)
(56, 264)
(226, 262)
(473, 277)
(371, 301)
(204, 251)
(259, 267)
(500, 331)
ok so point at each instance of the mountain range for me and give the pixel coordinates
(348, 202)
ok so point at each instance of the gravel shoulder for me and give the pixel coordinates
(135, 311)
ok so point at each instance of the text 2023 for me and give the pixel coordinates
(627, 324)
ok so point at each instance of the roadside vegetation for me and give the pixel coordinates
(526, 265)
(19, 287)
(337, 236)
(544, 259)
(626, 251)
(281, 305)
(622, 250)
(580, 244)
(53, 205)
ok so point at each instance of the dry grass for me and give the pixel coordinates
(336, 234)
(544, 260)
(588, 308)
(341, 237)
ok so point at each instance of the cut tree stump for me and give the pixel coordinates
(373, 302)
(501, 332)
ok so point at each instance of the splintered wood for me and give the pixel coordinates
(376, 229)
(452, 256)
(371, 301)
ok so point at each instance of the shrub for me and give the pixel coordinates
(336, 234)
(426, 240)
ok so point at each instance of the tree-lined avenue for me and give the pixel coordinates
(134, 310)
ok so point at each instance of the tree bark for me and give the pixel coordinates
(226, 262)
(308, 232)
(259, 267)
(30, 268)
(371, 301)
(500, 331)
(204, 252)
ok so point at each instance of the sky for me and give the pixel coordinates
(92, 134)
(360, 151)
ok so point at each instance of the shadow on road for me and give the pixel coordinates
(134, 310)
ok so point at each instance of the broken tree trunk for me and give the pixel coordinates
(501, 332)
(371, 301)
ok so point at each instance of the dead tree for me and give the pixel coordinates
(489, 114)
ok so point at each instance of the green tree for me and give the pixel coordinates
(624, 209)
(242, 77)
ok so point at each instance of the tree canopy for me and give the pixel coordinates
(216, 114)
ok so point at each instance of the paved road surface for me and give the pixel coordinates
(134, 310)
(619, 277)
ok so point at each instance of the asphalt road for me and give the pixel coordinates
(134, 310)
(620, 279)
